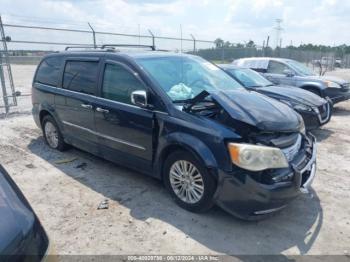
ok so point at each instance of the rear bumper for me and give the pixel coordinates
(242, 196)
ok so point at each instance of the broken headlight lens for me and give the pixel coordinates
(256, 158)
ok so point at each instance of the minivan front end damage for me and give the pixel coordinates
(251, 192)
(250, 195)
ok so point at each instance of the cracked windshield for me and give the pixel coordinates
(184, 77)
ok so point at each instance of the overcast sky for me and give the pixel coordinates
(304, 21)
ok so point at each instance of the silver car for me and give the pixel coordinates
(282, 71)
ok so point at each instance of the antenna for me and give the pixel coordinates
(279, 30)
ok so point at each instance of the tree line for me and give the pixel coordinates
(338, 50)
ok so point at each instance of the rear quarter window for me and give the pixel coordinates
(49, 71)
(81, 76)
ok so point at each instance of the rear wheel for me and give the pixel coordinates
(189, 182)
(52, 134)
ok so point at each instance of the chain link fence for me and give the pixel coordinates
(28, 44)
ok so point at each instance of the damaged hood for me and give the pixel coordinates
(258, 110)
(291, 93)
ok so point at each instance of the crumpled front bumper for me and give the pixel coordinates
(239, 194)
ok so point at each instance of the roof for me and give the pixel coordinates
(263, 59)
(228, 66)
(258, 62)
(125, 53)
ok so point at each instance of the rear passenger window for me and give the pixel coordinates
(80, 76)
(119, 83)
(49, 71)
(276, 68)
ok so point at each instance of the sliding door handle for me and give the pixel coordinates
(87, 106)
(102, 110)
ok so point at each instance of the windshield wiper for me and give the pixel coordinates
(255, 86)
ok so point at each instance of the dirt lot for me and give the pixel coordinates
(142, 218)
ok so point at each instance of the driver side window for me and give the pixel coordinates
(119, 83)
(276, 68)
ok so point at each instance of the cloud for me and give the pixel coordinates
(315, 21)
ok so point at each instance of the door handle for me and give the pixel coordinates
(102, 110)
(87, 106)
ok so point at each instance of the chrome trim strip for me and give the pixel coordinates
(310, 166)
(267, 211)
(105, 136)
(305, 188)
(101, 98)
(328, 114)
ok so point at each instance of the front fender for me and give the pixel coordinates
(313, 84)
(186, 142)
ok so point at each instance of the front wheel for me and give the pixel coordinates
(189, 182)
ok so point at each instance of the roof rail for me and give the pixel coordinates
(125, 45)
(79, 46)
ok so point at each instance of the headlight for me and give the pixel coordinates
(256, 158)
(297, 106)
(302, 107)
(332, 84)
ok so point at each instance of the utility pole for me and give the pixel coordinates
(279, 30)
(93, 35)
(153, 39)
(181, 37)
(194, 43)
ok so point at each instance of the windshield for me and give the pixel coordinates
(184, 77)
(300, 68)
(249, 78)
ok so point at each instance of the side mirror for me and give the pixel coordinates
(288, 73)
(139, 98)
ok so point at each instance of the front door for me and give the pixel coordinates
(125, 131)
(276, 74)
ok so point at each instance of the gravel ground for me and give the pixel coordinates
(143, 219)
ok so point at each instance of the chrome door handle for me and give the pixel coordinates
(87, 106)
(102, 110)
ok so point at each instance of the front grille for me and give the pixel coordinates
(292, 151)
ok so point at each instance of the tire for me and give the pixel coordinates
(205, 201)
(49, 125)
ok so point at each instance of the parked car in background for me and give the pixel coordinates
(282, 71)
(22, 237)
(315, 110)
(181, 119)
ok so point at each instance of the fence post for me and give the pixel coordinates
(93, 35)
(153, 39)
(194, 43)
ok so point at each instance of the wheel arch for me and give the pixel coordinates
(189, 144)
(313, 88)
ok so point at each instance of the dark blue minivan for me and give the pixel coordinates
(178, 118)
